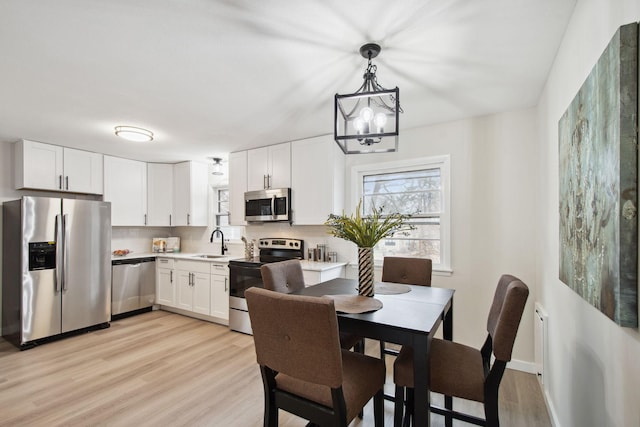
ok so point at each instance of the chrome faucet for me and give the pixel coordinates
(223, 248)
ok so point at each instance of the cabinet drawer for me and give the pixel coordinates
(193, 266)
(164, 262)
(220, 269)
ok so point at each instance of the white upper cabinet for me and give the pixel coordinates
(237, 187)
(159, 194)
(317, 176)
(190, 192)
(269, 167)
(50, 167)
(125, 186)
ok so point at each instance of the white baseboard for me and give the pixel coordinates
(520, 365)
(552, 410)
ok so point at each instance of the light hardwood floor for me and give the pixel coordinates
(163, 369)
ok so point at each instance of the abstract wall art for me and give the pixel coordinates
(598, 176)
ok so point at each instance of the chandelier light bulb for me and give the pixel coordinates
(366, 114)
(358, 124)
(380, 120)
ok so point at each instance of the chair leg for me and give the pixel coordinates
(398, 410)
(448, 404)
(491, 409)
(408, 416)
(378, 408)
(270, 414)
(382, 350)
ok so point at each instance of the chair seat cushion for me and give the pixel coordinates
(363, 376)
(456, 370)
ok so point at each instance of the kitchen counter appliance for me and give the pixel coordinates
(268, 205)
(245, 273)
(133, 286)
(56, 273)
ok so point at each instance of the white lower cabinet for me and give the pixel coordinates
(165, 282)
(194, 286)
(220, 291)
(313, 277)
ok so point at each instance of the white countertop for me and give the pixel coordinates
(176, 255)
(306, 265)
(321, 266)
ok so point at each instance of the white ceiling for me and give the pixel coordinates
(213, 76)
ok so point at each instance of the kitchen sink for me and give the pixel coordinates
(209, 256)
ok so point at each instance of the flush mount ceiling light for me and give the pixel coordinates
(217, 166)
(132, 133)
(366, 121)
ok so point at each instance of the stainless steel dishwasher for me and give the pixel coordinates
(133, 285)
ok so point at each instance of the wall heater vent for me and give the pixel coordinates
(541, 322)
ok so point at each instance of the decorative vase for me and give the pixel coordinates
(365, 272)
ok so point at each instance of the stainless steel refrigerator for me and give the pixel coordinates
(56, 267)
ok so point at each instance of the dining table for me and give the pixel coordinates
(409, 318)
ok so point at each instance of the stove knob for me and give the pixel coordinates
(296, 244)
(290, 243)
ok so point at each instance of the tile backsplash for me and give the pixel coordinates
(196, 239)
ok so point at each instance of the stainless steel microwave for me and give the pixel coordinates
(267, 205)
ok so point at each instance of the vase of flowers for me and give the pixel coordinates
(366, 232)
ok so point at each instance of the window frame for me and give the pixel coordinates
(443, 163)
(217, 214)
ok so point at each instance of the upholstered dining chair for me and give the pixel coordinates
(304, 370)
(457, 370)
(286, 277)
(407, 271)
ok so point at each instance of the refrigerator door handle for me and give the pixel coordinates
(65, 251)
(58, 239)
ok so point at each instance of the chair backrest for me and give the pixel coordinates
(408, 271)
(505, 314)
(296, 335)
(283, 276)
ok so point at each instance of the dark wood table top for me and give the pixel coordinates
(417, 312)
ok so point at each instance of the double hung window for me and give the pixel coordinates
(419, 188)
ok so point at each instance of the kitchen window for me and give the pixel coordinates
(222, 208)
(419, 188)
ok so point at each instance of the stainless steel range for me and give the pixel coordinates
(245, 273)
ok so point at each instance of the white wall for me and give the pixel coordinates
(593, 374)
(493, 224)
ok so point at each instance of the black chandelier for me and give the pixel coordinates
(366, 121)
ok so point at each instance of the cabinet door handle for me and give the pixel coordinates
(264, 181)
(171, 276)
(268, 181)
(66, 182)
(226, 279)
(60, 182)
(169, 219)
(188, 219)
(145, 219)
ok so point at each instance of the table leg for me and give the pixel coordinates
(421, 395)
(447, 328)
(447, 334)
